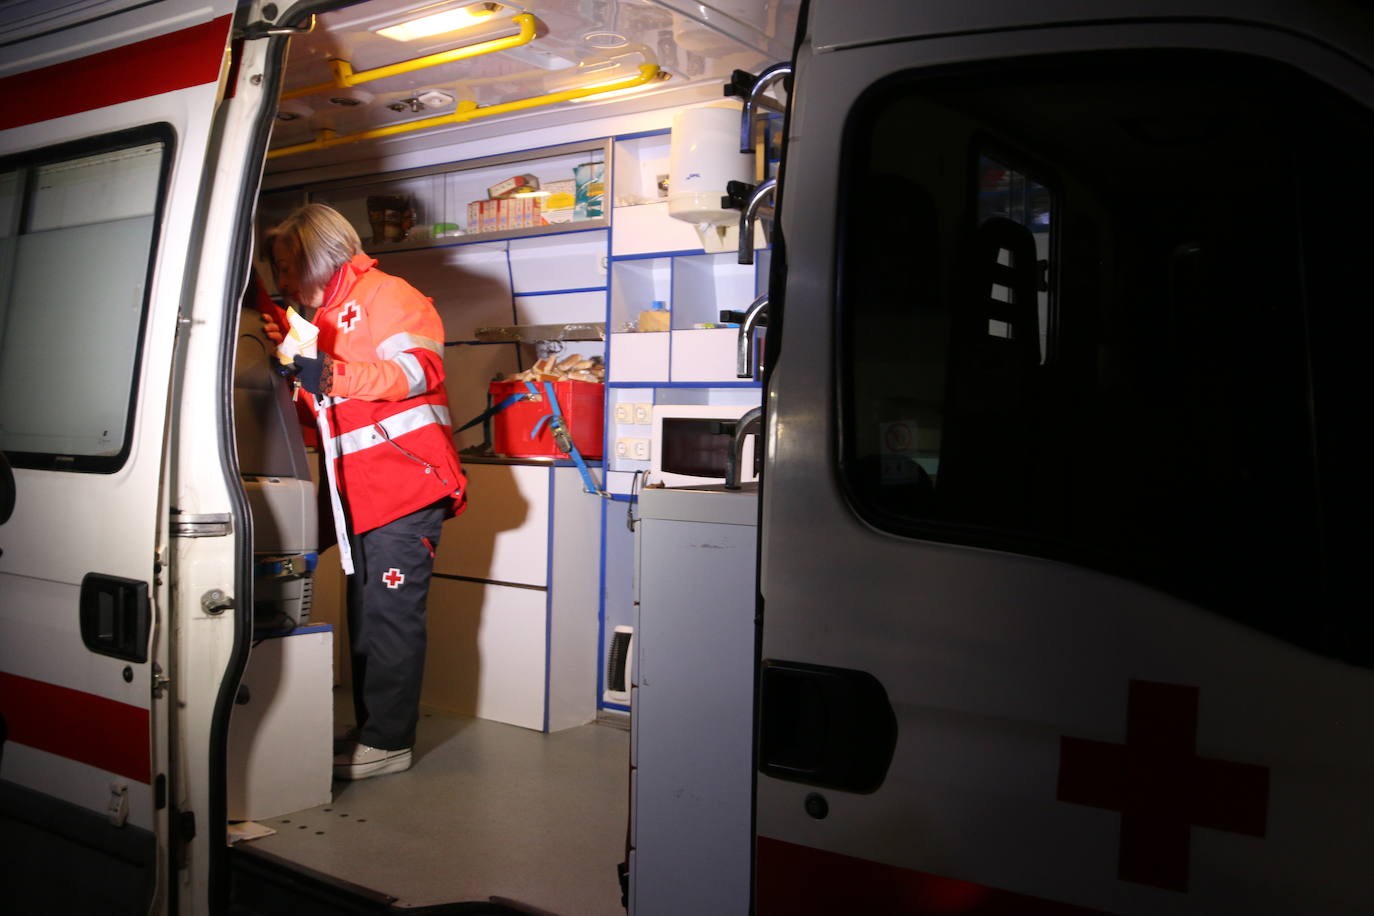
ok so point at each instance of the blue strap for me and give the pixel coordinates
(279, 566)
(558, 425)
(492, 411)
(534, 396)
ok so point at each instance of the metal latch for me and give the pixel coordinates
(160, 681)
(117, 808)
(216, 601)
(206, 525)
(561, 437)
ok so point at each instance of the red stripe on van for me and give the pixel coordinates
(188, 57)
(793, 880)
(80, 726)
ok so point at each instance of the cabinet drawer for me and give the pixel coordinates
(486, 653)
(504, 534)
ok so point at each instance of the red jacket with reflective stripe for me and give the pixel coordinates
(389, 425)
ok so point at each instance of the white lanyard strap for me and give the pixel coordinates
(331, 451)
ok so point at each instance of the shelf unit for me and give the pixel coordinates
(439, 196)
(655, 257)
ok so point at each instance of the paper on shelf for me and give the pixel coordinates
(300, 339)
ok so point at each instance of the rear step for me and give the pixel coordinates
(266, 885)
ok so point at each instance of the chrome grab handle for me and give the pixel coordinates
(757, 100)
(754, 317)
(754, 208)
(749, 423)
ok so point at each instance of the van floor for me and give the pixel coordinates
(487, 811)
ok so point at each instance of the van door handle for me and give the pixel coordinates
(828, 727)
(115, 616)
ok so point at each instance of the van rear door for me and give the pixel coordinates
(106, 113)
(1062, 505)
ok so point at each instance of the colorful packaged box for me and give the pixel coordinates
(562, 195)
(504, 214)
(513, 184)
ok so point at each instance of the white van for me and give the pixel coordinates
(1059, 490)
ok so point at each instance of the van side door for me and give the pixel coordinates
(1061, 505)
(106, 113)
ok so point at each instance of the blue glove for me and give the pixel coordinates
(315, 375)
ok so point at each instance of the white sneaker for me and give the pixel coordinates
(365, 761)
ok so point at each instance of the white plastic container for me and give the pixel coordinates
(704, 157)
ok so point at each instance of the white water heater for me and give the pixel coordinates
(705, 157)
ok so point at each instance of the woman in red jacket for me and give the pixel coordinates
(393, 472)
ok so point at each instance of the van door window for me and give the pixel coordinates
(77, 232)
(1105, 314)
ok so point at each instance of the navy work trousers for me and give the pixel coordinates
(386, 624)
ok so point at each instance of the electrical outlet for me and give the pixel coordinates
(644, 414)
(622, 448)
(639, 449)
(625, 412)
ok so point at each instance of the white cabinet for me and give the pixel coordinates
(503, 536)
(692, 703)
(515, 601)
(281, 736)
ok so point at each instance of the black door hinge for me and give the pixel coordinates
(184, 823)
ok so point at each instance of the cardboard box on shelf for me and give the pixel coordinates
(512, 185)
(561, 196)
(504, 214)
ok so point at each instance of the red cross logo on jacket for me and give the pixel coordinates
(349, 317)
(393, 577)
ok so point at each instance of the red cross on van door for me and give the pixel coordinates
(1162, 788)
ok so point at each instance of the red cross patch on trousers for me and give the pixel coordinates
(349, 316)
(393, 578)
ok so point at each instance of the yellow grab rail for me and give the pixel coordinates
(344, 75)
(468, 110)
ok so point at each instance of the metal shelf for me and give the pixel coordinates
(534, 333)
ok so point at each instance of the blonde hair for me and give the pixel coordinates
(319, 239)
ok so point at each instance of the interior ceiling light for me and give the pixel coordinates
(439, 23)
(608, 41)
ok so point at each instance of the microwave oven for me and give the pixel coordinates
(689, 445)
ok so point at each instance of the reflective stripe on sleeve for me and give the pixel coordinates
(414, 372)
(395, 426)
(399, 343)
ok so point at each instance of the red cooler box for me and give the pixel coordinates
(583, 407)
